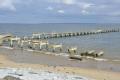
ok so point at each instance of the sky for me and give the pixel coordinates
(59, 11)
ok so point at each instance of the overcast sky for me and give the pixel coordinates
(59, 11)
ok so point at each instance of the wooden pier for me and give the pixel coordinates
(70, 34)
(39, 41)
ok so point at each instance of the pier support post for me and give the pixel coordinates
(11, 43)
(40, 47)
(21, 45)
(53, 50)
(39, 36)
(60, 49)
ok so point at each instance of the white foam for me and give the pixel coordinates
(116, 60)
(100, 59)
(29, 50)
(64, 54)
(89, 57)
(28, 74)
(48, 53)
(57, 54)
(7, 47)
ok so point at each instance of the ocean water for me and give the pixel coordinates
(109, 43)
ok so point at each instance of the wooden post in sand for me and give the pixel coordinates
(1, 41)
(22, 43)
(54, 47)
(11, 43)
(43, 43)
(72, 51)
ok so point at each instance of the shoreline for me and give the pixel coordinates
(24, 59)
(89, 73)
(33, 57)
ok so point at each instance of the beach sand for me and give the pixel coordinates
(89, 73)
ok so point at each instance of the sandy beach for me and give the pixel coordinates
(59, 40)
(89, 73)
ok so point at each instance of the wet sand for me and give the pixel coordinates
(25, 59)
(20, 56)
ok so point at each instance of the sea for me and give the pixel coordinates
(109, 42)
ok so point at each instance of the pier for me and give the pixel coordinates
(39, 42)
(70, 34)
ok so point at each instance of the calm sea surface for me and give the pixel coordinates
(109, 43)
